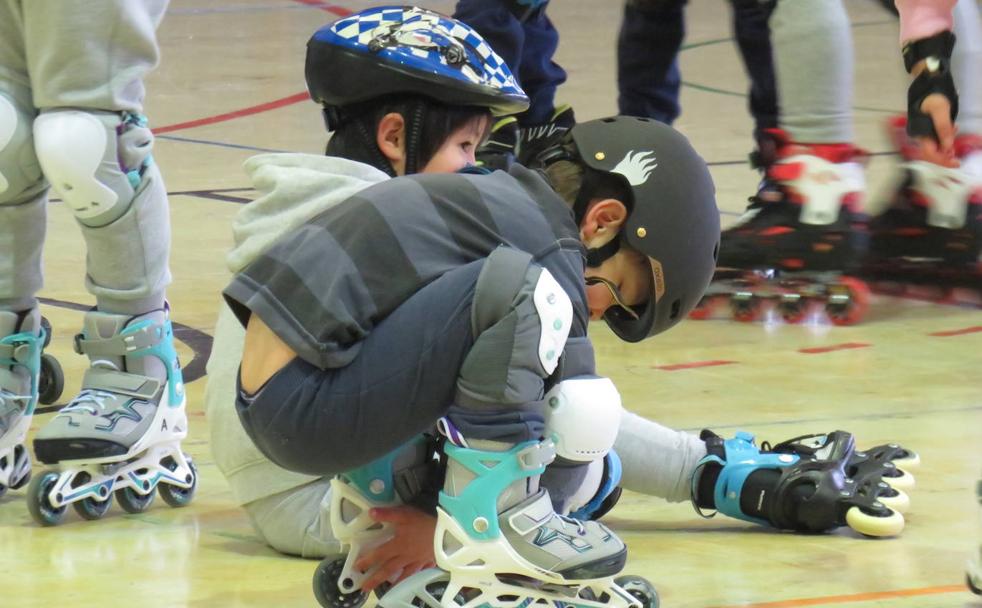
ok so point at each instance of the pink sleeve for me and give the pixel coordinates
(923, 18)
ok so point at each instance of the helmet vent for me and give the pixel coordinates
(716, 252)
(676, 309)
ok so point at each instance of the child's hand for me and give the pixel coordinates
(940, 151)
(409, 551)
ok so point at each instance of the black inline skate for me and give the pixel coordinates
(927, 244)
(800, 239)
(812, 483)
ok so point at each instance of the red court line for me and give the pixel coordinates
(856, 597)
(324, 6)
(957, 332)
(210, 120)
(694, 364)
(828, 349)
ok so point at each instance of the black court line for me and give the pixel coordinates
(198, 341)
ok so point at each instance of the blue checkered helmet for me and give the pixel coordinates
(386, 51)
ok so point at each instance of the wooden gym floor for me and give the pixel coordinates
(231, 85)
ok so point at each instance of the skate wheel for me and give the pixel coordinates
(640, 589)
(899, 479)
(885, 523)
(132, 501)
(793, 312)
(38, 503)
(848, 301)
(703, 310)
(177, 496)
(51, 380)
(745, 309)
(895, 499)
(46, 326)
(908, 461)
(327, 583)
(91, 509)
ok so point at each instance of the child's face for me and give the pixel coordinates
(458, 150)
(623, 279)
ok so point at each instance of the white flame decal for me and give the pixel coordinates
(637, 166)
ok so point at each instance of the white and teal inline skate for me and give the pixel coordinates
(121, 435)
(499, 542)
(398, 478)
(28, 376)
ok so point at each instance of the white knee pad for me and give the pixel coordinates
(582, 417)
(19, 169)
(94, 160)
(556, 315)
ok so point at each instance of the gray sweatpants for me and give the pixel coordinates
(89, 55)
(966, 66)
(813, 63)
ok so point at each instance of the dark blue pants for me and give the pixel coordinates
(527, 47)
(648, 77)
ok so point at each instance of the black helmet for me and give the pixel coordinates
(673, 220)
(407, 50)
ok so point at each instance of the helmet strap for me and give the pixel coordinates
(598, 255)
(365, 147)
(414, 132)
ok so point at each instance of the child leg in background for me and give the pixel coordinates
(93, 145)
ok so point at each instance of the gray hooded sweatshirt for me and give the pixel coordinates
(293, 188)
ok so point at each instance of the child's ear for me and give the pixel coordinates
(391, 137)
(604, 217)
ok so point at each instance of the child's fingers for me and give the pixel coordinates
(395, 515)
(388, 570)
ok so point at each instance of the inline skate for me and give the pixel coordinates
(811, 483)
(801, 238)
(927, 244)
(500, 543)
(120, 436)
(401, 477)
(27, 376)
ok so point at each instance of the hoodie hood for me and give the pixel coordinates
(292, 188)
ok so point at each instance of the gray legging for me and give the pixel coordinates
(89, 55)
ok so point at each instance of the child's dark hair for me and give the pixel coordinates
(433, 122)
(578, 184)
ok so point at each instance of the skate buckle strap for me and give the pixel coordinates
(121, 383)
(537, 455)
(130, 341)
(18, 352)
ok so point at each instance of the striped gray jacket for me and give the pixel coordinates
(323, 287)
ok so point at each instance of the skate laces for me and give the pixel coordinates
(89, 395)
(580, 528)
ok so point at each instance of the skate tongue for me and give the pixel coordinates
(530, 514)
